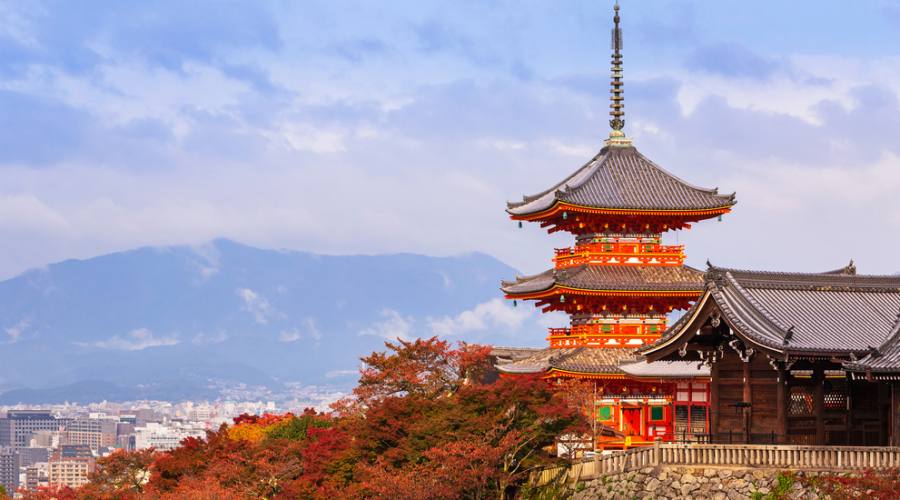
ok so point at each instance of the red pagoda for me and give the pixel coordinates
(618, 283)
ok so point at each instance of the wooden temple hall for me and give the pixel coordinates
(795, 358)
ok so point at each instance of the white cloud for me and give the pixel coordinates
(495, 314)
(136, 340)
(308, 330)
(15, 332)
(341, 373)
(256, 304)
(214, 338)
(290, 335)
(395, 326)
(305, 137)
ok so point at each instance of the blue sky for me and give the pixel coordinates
(371, 127)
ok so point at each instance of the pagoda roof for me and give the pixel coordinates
(818, 314)
(587, 361)
(621, 178)
(611, 278)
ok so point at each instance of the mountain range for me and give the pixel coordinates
(186, 322)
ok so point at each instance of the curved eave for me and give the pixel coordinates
(562, 206)
(556, 372)
(536, 370)
(621, 292)
(681, 328)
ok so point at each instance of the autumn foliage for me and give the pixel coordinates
(426, 421)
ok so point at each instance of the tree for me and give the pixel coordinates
(51, 493)
(424, 422)
(421, 367)
(121, 472)
(422, 398)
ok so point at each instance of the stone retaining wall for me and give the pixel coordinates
(695, 483)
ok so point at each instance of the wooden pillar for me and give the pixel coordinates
(714, 403)
(819, 402)
(781, 394)
(895, 414)
(747, 399)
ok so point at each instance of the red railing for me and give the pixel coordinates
(636, 254)
(609, 335)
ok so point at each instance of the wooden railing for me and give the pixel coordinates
(725, 455)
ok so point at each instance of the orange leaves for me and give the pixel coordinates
(425, 422)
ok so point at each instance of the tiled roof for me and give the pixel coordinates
(588, 360)
(623, 178)
(884, 358)
(625, 278)
(834, 312)
(666, 369)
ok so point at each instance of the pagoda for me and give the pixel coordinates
(618, 283)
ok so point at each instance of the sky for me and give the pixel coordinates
(377, 127)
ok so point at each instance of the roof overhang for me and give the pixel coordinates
(561, 206)
(562, 290)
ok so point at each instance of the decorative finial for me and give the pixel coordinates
(616, 104)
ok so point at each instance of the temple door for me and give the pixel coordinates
(631, 421)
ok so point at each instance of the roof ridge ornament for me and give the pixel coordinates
(616, 100)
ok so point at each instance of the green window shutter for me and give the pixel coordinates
(605, 413)
(607, 328)
(657, 412)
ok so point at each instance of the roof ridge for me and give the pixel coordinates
(834, 275)
(756, 304)
(714, 190)
(530, 198)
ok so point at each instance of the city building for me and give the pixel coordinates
(37, 475)
(9, 469)
(69, 471)
(44, 439)
(618, 284)
(18, 425)
(94, 432)
(30, 455)
(165, 436)
(797, 358)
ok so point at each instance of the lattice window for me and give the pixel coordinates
(681, 422)
(801, 404)
(698, 419)
(836, 395)
(835, 401)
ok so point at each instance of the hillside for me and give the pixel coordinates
(190, 321)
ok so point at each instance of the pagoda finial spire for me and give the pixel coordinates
(616, 100)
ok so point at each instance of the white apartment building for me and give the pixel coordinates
(71, 472)
(165, 436)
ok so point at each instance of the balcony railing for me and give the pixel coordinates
(635, 254)
(610, 335)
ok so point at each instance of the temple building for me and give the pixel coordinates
(795, 358)
(618, 284)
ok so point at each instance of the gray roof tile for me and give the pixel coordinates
(623, 178)
(834, 312)
(598, 277)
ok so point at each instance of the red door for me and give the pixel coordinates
(631, 421)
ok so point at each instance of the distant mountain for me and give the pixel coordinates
(187, 320)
